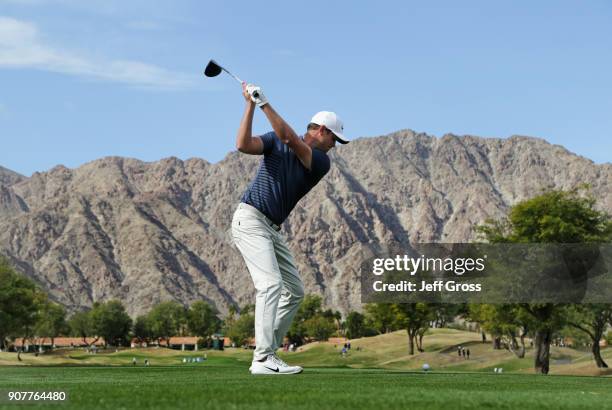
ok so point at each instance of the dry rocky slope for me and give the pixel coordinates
(147, 232)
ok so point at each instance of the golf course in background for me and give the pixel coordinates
(377, 372)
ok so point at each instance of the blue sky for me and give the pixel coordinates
(80, 80)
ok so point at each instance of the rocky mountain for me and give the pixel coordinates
(10, 204)
(148, 232)
(8, 177)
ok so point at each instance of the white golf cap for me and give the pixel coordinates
(332, 122)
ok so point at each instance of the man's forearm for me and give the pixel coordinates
(283, 130)
(287, 136)
(243, 138)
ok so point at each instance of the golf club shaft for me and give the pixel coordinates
(235, 78)
(214, 64)
(255, 94)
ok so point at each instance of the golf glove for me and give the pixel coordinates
(257, 96)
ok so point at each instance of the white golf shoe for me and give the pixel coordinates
(273, 365)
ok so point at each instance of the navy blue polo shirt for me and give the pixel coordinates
(282, 180)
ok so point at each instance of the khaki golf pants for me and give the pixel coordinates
(275, 276)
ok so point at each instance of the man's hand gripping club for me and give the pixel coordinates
(256, 95)
(284, 132)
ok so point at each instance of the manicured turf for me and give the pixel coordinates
(224, 383)
(378, 373)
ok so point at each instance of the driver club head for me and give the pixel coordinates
(212, 69)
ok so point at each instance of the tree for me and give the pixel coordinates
(309, 308)
(110, 321)
(591, 319)
(230, 319)
(608, 336)
(202, 320)
(355, 325)
(504, 322)
(242, 330)
(166, 320)
(483, 314)
(320, 327)
(311, 321)
(382, 317)
(80, 325)
(51, 321)
(546, 319)
(472, 314)
(335, 316)
(415, 318)
(142, 328)
(248, 308)
(443, 313)
(553, 217)
(18, 304)
(572, 337)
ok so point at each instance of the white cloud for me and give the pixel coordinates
(21, 47)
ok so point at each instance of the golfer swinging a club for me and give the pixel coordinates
(291, 166)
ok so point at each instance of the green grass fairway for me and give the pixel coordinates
(378, 373)
(388, 351)
(224, 383)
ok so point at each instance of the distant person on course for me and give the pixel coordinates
(290, 168)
